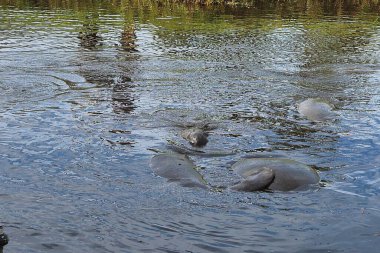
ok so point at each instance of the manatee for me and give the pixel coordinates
(279, 174)
(316, 110)
(195, 136)
(177, 168)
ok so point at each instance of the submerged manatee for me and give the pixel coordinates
(197, 137)
(202, 125)
(316, 110)
(280, 174)
(178, 168)
(179, 148)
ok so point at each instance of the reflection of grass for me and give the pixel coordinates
(311, 6)
(174, 15)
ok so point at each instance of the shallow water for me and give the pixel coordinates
(89, 91)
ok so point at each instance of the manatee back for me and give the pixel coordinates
(316, 110)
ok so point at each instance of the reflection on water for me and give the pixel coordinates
(89, 37)
(128, 38)
(90, 89)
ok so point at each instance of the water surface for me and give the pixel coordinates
(90, 90)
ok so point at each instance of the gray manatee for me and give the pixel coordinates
(316, 110)
(280, 174)
(178, 168)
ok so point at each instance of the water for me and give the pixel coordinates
(89, 90)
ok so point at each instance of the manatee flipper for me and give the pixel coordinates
(177, 168)
(259, 180)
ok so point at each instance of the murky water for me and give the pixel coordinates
(89, 90)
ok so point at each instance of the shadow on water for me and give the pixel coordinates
(87, 87)
(122, 101)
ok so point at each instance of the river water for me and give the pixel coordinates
(90, 91)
